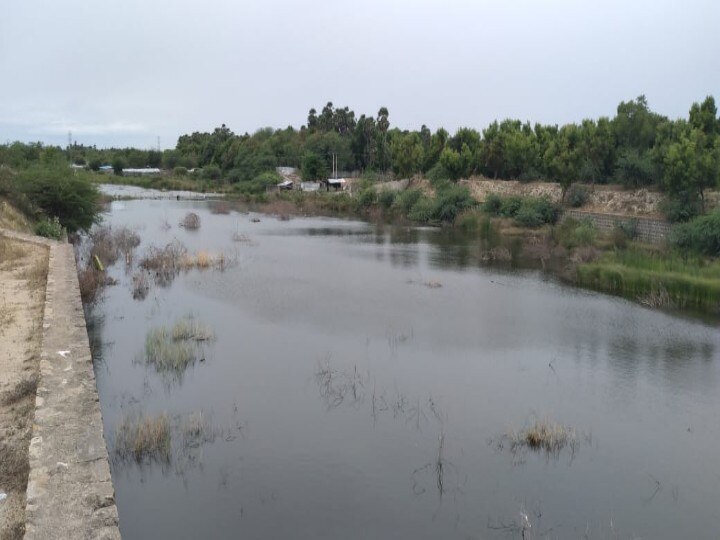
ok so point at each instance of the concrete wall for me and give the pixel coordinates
(70, 492)
(653, 231)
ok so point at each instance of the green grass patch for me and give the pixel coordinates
(688, 283)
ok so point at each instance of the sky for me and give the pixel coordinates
(125, 72)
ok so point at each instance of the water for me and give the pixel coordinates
(362, 378)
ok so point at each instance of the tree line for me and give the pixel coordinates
(635, 148)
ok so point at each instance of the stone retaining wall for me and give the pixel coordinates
(650, 230)
(70, 492)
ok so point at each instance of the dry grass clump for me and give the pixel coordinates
(36, 274)
(496, 254)
(657, 298)
(10, 251)
(143, 439)
(25, 388)
(140, 286)
(109, 244)
(14, 466)
(202, 261)
(6, 316)
(544, 436)
(191, 221)
(90, 280)
(164, 262)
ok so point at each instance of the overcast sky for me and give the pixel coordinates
(123, 72)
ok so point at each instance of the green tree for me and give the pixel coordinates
(60, 192)
(313, 167)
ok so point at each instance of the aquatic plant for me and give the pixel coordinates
(172, 351)
(143, 439)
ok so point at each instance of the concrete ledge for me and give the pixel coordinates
(70, 492)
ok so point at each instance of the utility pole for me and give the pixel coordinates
(69, 140)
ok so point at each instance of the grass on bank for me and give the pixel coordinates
(685, 282)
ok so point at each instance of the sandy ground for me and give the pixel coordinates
(23, 275)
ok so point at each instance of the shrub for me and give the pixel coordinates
(407, 199)
(701, 235)
(629, 228)
(534, 212)
(211, 172)
(572, 233)
(493, 204)
(180, 171)
(680, 210)
(422, 210)
(437, 174)
(367, 197)
(50, 228)
(386, 198)
(450, 202)
(510, 206)
(577, 195)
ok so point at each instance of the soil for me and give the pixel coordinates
(23, 276)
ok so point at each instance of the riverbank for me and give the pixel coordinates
(589, 249)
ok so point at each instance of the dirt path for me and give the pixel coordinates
(23, 275)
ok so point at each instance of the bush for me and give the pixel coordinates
(572, 233)
(367, 197)
(493, 204)
(437, 174)
(510, 206)
(577, 195)
(422, 210)
(211, 172)
(534, 212)
(680, 210)
(701, 235)
(50, 228)
(450, 202)
(386, 198)
(180, 171)
(407, 199)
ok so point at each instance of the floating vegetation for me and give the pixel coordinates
(172, 351)
(191, 221)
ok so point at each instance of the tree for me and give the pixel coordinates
(118, 164)
(407, 154)
(690, 167)
(313, 167)
(60, 192)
